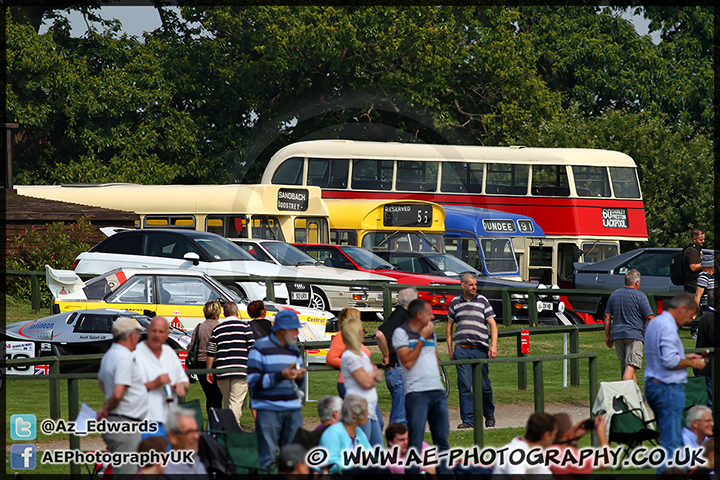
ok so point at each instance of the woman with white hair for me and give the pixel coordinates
(346, 434)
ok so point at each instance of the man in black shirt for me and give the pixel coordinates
(692, 259)
(393, 377)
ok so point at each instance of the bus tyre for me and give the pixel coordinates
(318, 300)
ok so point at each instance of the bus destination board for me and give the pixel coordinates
(407, 215)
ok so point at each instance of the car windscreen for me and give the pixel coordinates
(452, 266)
(288, 255)
(366, 259)
(220, 249)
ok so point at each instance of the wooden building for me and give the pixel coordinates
(23, 212)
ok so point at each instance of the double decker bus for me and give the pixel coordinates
(277, 212)
(586, 201)
(387, 224)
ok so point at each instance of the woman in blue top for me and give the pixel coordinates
(346, 434)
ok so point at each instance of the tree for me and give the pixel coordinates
(94, 109)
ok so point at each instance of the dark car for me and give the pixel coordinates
(449, 266)
(652, 263)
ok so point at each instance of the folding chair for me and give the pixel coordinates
(695, 394)
(628, 421)
(196, 407)
(242, 447)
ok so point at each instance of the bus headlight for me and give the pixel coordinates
(561, 307)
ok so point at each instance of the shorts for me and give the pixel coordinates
(629, 351)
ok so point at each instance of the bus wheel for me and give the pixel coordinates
(237, 291)
(319, 300)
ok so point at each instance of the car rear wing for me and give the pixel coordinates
(64, 283)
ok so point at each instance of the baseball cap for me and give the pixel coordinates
(290, 455)
(286, 320)
(123, 325)
(707, 261)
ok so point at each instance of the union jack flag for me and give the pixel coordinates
(42, 369)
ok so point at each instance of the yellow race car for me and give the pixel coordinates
(178, 295)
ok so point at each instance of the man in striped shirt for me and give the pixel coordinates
(475, 337)
(276, 377)
(228, 348)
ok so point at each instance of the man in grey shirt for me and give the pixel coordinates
(416, 345)
(627, 311)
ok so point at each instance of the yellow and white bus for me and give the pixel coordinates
(278, 212)
(387, 224)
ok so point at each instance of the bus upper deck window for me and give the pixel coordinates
(507, 178)
(461, 177)
(550, 181)
(372, 174)
(328, 172)
(624, 182)
(290, 172)
(591, 181)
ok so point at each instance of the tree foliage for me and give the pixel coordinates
(211, 95)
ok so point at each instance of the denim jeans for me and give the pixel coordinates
(373, 431)
(394, 382)
(430, 407)
(464, 382)
(667, 401)
(275, 429)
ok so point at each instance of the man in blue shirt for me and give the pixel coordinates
(666, 368)
(627, 310)
(275, 377)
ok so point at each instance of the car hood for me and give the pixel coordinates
(248, 267)
(416, 278)
(330, 273)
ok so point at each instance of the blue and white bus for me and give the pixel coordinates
(494, 242)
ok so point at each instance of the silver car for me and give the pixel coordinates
(324, 297)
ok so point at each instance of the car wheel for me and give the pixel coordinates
(237, 291)
(318, 300)
(574, 318)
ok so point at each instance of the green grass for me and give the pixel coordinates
(32, 396)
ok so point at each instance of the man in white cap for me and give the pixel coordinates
(705, 282)
(275, 376)
(125, 393)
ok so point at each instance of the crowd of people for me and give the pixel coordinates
(259, 364)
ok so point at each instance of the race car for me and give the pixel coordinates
(75, 332)
(178, 295)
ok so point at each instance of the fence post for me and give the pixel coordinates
(532, 308)
(479, 432)
(73, 410)
(593, 380)
(575, 362)
(34, 293)
(55, 390)
(539, 389)
(521, 366)
(507, 307)
(270, 290)
(653, 303)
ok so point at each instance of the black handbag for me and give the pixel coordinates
(191, 361)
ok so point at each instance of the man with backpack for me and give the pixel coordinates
(691, 260)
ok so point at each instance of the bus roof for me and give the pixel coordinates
(368, 213)
(189, 199)
(425, 152)
(484, 222)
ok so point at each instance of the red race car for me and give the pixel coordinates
(358, 258)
